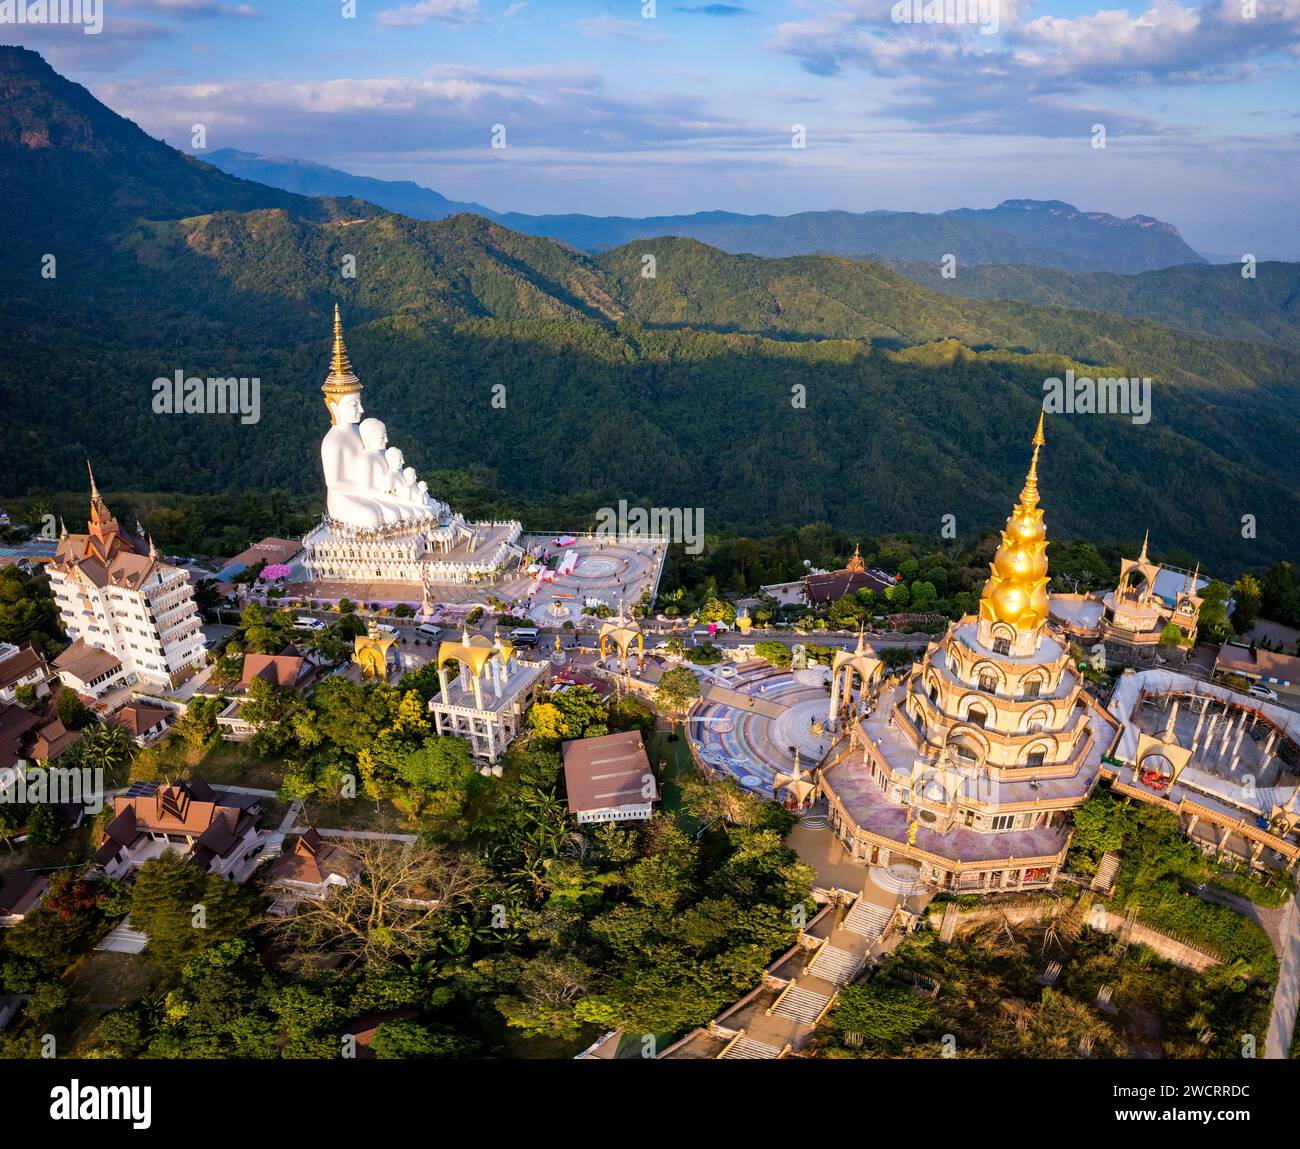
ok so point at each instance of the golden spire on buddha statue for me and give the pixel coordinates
(341, 380)
(1016, 592)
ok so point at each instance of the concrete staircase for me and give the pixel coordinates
(868, 918)
(802, 1005)
(742, 1048)
(1107, 872)
(836, 966)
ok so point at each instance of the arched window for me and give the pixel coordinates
(1033, 688)
(977, 716)
(988, 682)
(1036, 757)
(934, 692)
(965, 752)
(1001, 645)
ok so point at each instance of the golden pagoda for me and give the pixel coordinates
(969, 766)
(1016, 593)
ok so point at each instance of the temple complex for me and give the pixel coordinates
(117, 596)
(381, 524)
(1130, 621)
(968, 767)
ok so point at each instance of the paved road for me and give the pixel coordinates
(1287, 997)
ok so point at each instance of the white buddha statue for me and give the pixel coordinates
(376, 474)
(350, 496)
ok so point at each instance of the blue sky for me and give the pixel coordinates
(609, 112)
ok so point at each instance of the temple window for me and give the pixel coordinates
(976, 716)
(1036, 757)
(988, 682)
(1033, 688)
(1001, 646)
(1003, 821)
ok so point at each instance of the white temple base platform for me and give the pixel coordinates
(452, 552)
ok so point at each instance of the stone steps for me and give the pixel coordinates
(747, 1049)
(802, 1005)
(834, 965)
(868, 918)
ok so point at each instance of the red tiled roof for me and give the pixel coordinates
(277, 669)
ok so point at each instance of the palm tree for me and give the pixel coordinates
(105, 748)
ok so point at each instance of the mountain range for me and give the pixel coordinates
(770, 392)
(1045, 233)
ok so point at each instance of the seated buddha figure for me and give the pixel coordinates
(350, 498)
(391, 502)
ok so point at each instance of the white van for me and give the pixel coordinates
(524, 635)
(429, 630)
(306, 622)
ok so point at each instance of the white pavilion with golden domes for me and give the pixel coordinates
(968, 768)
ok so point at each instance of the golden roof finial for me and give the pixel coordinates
(341, 379)
(339, 364)
(1146, 538)
(1029, 493)
(94, 490)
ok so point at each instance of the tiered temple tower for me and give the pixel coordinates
(968, 767)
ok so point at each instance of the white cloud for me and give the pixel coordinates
(453, 12)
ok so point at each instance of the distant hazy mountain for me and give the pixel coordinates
(1045, 233)
(1087, 240)
(306, 178)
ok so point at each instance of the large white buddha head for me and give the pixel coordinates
(345, 409)
(374, 434)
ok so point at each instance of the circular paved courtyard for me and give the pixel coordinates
(747, 725)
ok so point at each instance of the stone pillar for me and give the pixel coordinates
(478, 692)
(835, 697)
(442, 680)
(1241, 729)
(1199, 722)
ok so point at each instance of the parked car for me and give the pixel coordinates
(428, 630)
(306, 622)
(524, 636)
(1264, 692)
(384, 628)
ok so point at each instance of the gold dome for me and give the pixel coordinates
(1016, 592)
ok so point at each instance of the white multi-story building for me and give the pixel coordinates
(114, 593)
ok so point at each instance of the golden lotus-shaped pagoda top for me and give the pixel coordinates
(1016, 592)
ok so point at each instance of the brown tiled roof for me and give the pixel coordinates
(16, 666)
(277, 669)
(15, 723)
(52, 740)
(136, 720)
(216, 820)
(269, 551)
(312, 861)
(22, 891)
(1267, 663)
(607, 771)
(124, 568)
(836, 584)
(87, 662)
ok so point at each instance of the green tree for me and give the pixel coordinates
(677, 690)
(184, 910)
(1248, 597)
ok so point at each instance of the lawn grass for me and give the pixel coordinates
(101, 982)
